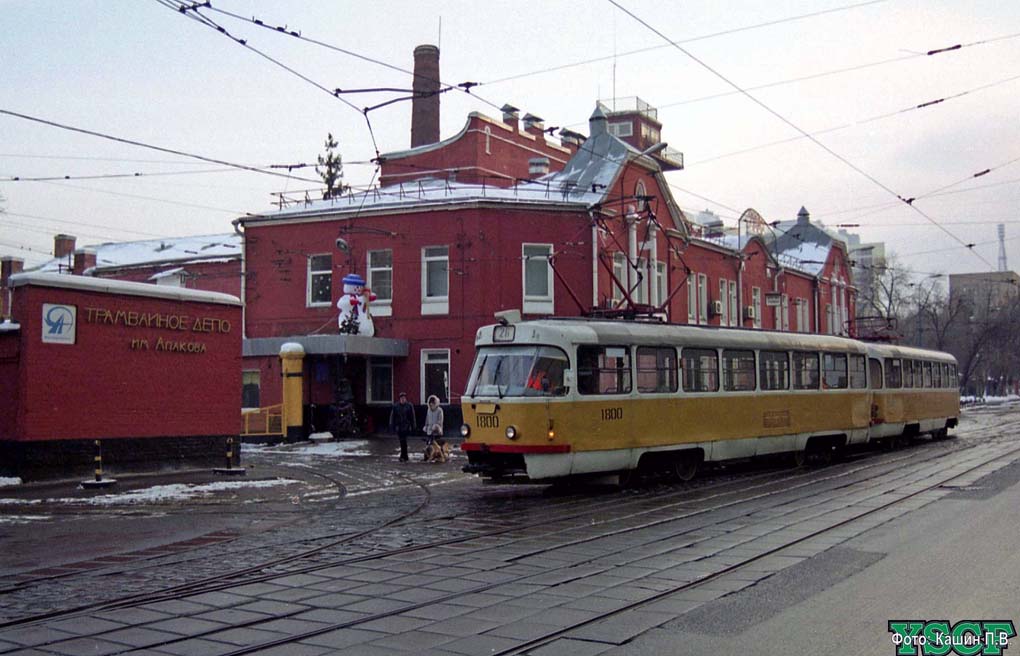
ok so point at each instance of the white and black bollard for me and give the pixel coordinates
(98, 481)
(230, 469)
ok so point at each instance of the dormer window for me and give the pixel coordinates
(621, 129)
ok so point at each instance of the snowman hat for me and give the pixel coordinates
(354, 279)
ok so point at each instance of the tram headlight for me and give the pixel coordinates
(511, 433)
(465, 430)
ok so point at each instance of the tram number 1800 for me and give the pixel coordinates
(612, 414)
(487, 421)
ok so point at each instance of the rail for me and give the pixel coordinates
(262, 421)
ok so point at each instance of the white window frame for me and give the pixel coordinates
(620, 272)
(702, 298)
(692, 298)
(434, 304)
(756, 304)
(735, 318)
(537, 304)
(380, 307)
(488, 140)
(309, 273)
(786, 312)
(724, 304)
(661, 284)
(368, 381)
(449, 368)
(621, 129)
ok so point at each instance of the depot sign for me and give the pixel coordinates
(133, 319)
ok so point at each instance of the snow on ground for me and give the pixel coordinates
(22, 519)
(989, 400)
(8, 482)
(351, 448)
(157, 493)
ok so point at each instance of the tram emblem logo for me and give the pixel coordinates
(59, 323)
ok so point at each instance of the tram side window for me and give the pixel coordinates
(738, 371)
(953, 375)
(834, 370)
(927, 374)
(936, 375)
(875, 373)
(858, 372)
(893, 373)
(774, 370)
(701, 370)
(603, 370)
(918, 374)
(947, 380)
(656, 369)
(805, 371)
(908, 373)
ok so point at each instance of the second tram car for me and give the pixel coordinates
(558, 398)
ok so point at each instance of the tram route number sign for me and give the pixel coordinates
(503, 333)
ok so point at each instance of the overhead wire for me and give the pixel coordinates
(791, 124)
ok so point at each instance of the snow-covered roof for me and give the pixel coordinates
(107, 285)
(149, 252)
(803, 245)
(166, 274)
(584, 181)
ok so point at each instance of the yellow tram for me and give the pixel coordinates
(558, 398)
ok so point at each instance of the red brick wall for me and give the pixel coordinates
(223, 277)
(9, 342)
(107, 385)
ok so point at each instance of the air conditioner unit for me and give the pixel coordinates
(716, 308)
(749, 312)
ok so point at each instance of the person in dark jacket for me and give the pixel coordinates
(402, 421)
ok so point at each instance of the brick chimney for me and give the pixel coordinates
(63, 245)
(534, 125)
(510, 116)
(84, 259)
(8, 267)
(571, 140)
(425, 104)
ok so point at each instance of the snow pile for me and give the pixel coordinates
(989, 400)
(351, 448)
(8, 482)
(175, 492)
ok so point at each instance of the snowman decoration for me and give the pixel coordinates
(355, 318)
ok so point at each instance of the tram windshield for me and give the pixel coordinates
(503, 371)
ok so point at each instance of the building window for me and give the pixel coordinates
(537, 274)
(660, 284)
(656, 369)
(640, 285)
(250, 388)
(802, 316)
(380, 281)
(805, 371)
(700, 370)
(621, 129)
(603, 370)
(380, 380)
(734, 309)
(756, 304)
(738, 371)
(620, 273)
(692, 298)
(702, 298)
(785, 311)
(723, 304)
(320, 280)
(435, 374)
(435, 280)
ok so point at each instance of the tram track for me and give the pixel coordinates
(887, 464)
(701, 581)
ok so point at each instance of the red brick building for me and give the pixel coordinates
(153, 372)
(498, 218)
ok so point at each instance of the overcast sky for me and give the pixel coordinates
(140, 71)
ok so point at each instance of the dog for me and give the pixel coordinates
(437, 450)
